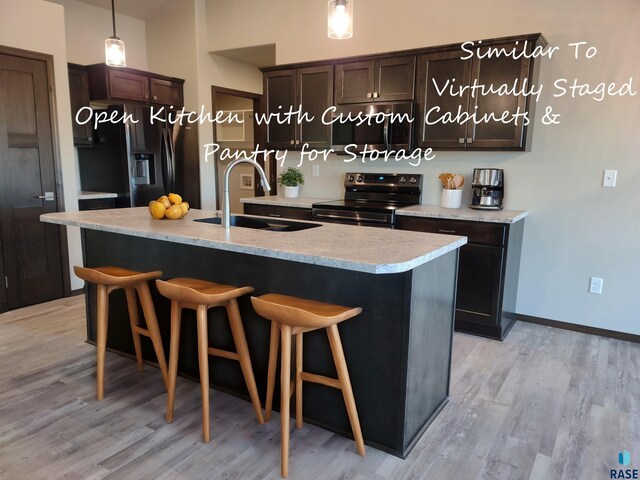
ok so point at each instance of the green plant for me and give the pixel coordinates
(291, 177)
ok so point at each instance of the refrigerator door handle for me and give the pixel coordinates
(169, 160)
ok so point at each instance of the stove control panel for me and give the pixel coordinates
(382, 179)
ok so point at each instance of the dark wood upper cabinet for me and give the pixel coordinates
(444, 83)
(383, 80)
(130, 85)
(311, 88)
(79, 95)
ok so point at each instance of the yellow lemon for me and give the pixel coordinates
(157, 210)
(164, 200)
(174, 212)
(175, 198)
(151, 203)
(185, 207)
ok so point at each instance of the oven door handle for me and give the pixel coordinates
(352, 219)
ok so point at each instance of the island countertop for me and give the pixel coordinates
(363, 249)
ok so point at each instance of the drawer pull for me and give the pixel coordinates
(446, 231)
(274, 215)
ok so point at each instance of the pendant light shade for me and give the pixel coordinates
(340, 19)
(114, 47)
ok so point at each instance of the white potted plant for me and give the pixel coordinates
(291, 179)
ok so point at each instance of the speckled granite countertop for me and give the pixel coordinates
(463, 213)
(300, 202)
(364, 249)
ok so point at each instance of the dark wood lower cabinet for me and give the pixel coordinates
(277, 211)
(488, 271)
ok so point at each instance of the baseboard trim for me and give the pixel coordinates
(602, 332)
(75, 293)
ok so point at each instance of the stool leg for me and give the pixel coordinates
(132, 305)
(243, 353)
(285, 397)
(152, 325)
(271, 373)
(203, 360)
(298, 380)
(345, 385)
(176, 312)
(102, 322)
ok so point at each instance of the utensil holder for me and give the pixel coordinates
(451, 198)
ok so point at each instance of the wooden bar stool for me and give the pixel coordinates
(108, 279)
(295, 316)
(200, 295)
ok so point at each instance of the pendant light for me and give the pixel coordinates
(113, 46)
(340, 19)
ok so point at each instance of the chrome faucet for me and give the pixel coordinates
(226, 212)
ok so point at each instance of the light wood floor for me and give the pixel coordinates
(546, 403)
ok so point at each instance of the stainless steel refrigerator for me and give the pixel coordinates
(138, 161)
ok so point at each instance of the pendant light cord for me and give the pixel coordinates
(113, 16)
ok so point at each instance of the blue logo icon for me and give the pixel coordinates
(624, 458)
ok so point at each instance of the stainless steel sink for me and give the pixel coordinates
(262, 224)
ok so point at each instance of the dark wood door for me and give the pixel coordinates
(498, 71)
(394, 79)
(355, 82)
(166, 92)
(437, 73)
(128, 85)
(79, 94)
(315, 94)
(280, 96)
(30, 249)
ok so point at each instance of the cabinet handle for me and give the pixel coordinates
(369, 95)
(146, 96)
(274, 215)
(292, 142)
(446, 231)
(90, 139)
(469, 139)
(461, 140)
(376, 94)
(155, 97)
(297, 142)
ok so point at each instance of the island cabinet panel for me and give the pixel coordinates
(123, 84)
(488, 271)
(79, 96)
(309, 88)
(398, 350)
(381, 80)
(277, 211)
(453, 113)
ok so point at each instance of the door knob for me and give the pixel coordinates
(47, 197)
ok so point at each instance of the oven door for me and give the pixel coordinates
(351, 217)
(351, 126)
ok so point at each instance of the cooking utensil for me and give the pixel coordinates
(458, 181)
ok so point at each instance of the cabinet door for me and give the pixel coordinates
(79, 95)
(437, 74)
(166, 92)
(479, 280)
(394, 79)
(498, 71)
(280, 95)
(355, 82)
(315, 94)
(128, 85)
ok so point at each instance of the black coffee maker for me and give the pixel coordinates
(488, 188)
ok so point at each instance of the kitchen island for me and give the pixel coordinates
(398, 350)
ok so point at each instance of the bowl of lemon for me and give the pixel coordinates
(168, 206)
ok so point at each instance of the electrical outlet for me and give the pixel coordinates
(595, 286)
(609, 178)
(315, 170)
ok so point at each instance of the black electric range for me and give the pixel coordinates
(371, 199)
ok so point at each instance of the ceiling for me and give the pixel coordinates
(142, 9)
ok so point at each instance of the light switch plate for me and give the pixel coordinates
(609, 178)
(315, 170)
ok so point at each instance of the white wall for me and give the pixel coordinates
(38, 26)
(576, 229)
(87, 27)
